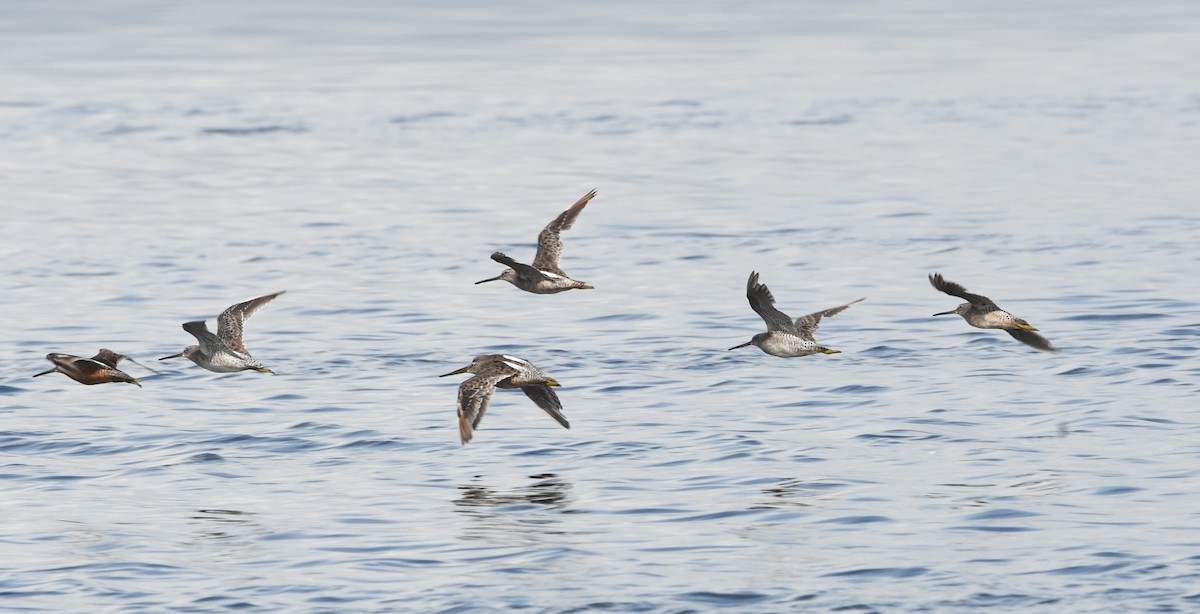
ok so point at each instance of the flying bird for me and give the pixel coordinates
(979, 311)
(494, 371)
(225, 352)
(545, 276)
(785, 337)
(99, 369)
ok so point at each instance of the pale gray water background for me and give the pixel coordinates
(160, 161)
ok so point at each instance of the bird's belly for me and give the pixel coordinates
(553, 285)
(221, 363)
(992, 319)
(788, 347)
(549, 287)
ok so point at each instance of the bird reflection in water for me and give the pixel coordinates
(524, 514)
(223, 524)
(786, 494)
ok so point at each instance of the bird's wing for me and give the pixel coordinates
(545, 398)
(473, 397)
(91, 366)
(107, 357)
(1031, 339)
(549, 244)
(229, 323)
(209, 343)
(524, 271)
(977, 300)
(807, 325)
(763, 303)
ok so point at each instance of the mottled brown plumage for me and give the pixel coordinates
(545, 275)
(981, 312)
(225, 352)
(494, 371)
(785, 337)
(99, 369)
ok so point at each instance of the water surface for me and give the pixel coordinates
(163, 162)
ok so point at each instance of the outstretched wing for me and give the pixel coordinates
(1031, 339)
(209, 343)
(90, 367)
(473, 397)
(107, 357)
(229, 323)
(545, 398)
(549, 244)
(807, 325)
(763, 303)
(524, 271)
(976, 300)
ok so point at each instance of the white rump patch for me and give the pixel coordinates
(513, 362)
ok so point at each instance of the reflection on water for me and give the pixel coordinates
(788, 492)
(524, 514)
(227, 535)
(222, 524)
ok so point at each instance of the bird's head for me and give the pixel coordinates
(508, 275)
(187, 352)
(756, 340)
(960, 310)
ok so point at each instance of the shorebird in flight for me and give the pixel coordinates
(225, 352)
(545, 276)
(785, 337)
(99, 369)
(494, 371)
(979, 311)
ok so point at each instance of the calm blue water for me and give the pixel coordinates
(160, 162)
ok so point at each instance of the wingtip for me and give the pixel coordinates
(1031, 339)
(502, 258)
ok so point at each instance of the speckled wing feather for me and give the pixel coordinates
(229, 323)
(976, 300)
(550, 244)
(473, 397)
(209, 343)
(545, 398)
(763, 303)
(1031, 339)
(807, 325)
